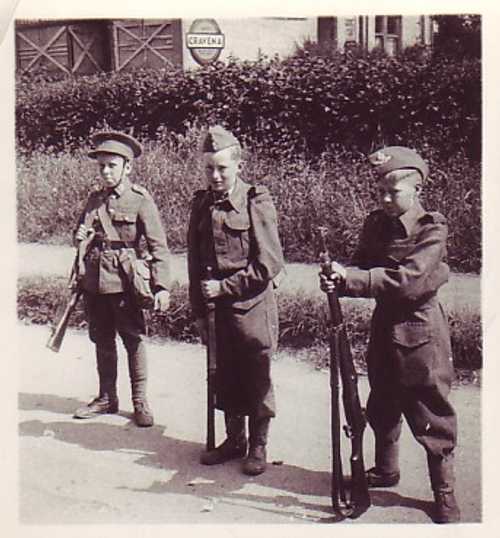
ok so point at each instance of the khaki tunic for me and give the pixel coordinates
(136, 218)
(238, 238)
(399, 262)
(137, 221)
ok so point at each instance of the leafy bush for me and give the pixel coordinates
(305, 103)
(335, 190)
(303, 321)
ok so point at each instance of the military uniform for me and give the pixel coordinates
(399, 262)
(110, 304)
(237, 236)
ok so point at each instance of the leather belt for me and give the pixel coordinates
(104, 244)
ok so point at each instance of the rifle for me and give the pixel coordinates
(341, 366)
(211, 368)
(77, 272)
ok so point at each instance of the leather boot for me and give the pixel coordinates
(385, 474)
(137, 367)
(143, 416)
(442, 477)
(255, 462)
(107, 401)
(235, 445)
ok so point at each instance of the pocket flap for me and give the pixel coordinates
(237, 221)
(124, 217)
(411, 334)
(142, 269)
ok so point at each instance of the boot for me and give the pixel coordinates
(235, 445)
(143, 416)
(442, 477)
(385, 474)
(446, 509)
(107, 400)
(98, 406)
(255, 462)
(376, 479)
(137, 367)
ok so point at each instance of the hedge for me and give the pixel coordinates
(303, 323)
(305, 103)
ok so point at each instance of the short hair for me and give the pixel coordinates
(405, 173)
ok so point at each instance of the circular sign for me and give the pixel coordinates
(205, 41)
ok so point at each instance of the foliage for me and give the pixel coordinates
(303, 321)
(335, 190)
(305, 103)
(458, 36)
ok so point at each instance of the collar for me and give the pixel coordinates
(411, 217)
(237, 196)
(120, 188)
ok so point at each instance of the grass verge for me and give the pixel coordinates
(303, 323)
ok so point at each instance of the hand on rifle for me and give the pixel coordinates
(202, 328)
(331, 276)
(82, 232)
(211, 289)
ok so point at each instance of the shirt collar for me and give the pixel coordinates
(237, 196)
(120, 188)
(410, 217)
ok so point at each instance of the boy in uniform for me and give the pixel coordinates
(399, 262)
(126, 212)
(233, 229)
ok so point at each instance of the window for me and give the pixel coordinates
(388, 33)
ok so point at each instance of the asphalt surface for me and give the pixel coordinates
(106, 470)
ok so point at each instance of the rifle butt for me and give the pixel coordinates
(56, 338)
(360, 496)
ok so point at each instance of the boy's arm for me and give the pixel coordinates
(420, 272)
(268, 259)
(157, 243)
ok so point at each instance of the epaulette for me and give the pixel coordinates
(376, 216)
(199, 198)
(257, 190)
(198, 193)
(139, 188)
(433, 217)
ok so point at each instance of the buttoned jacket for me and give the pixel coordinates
(136, 219)
(238, 238)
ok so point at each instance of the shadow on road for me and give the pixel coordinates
(222, 483)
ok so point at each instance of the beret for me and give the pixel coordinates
(117, 143)
(217, 138)
(392, 158)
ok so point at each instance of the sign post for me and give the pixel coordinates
(205, 41)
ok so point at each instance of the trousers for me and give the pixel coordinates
(109, 315)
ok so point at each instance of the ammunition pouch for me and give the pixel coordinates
(138, 274)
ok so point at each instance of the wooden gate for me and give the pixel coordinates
(146, 43)
(65, 46)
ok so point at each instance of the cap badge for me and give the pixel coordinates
(379, 158)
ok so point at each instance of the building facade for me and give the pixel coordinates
(95, 45)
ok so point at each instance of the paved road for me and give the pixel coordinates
(106, 470)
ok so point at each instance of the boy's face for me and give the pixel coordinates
(221, 170)
(112, 168)
(397, 195)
